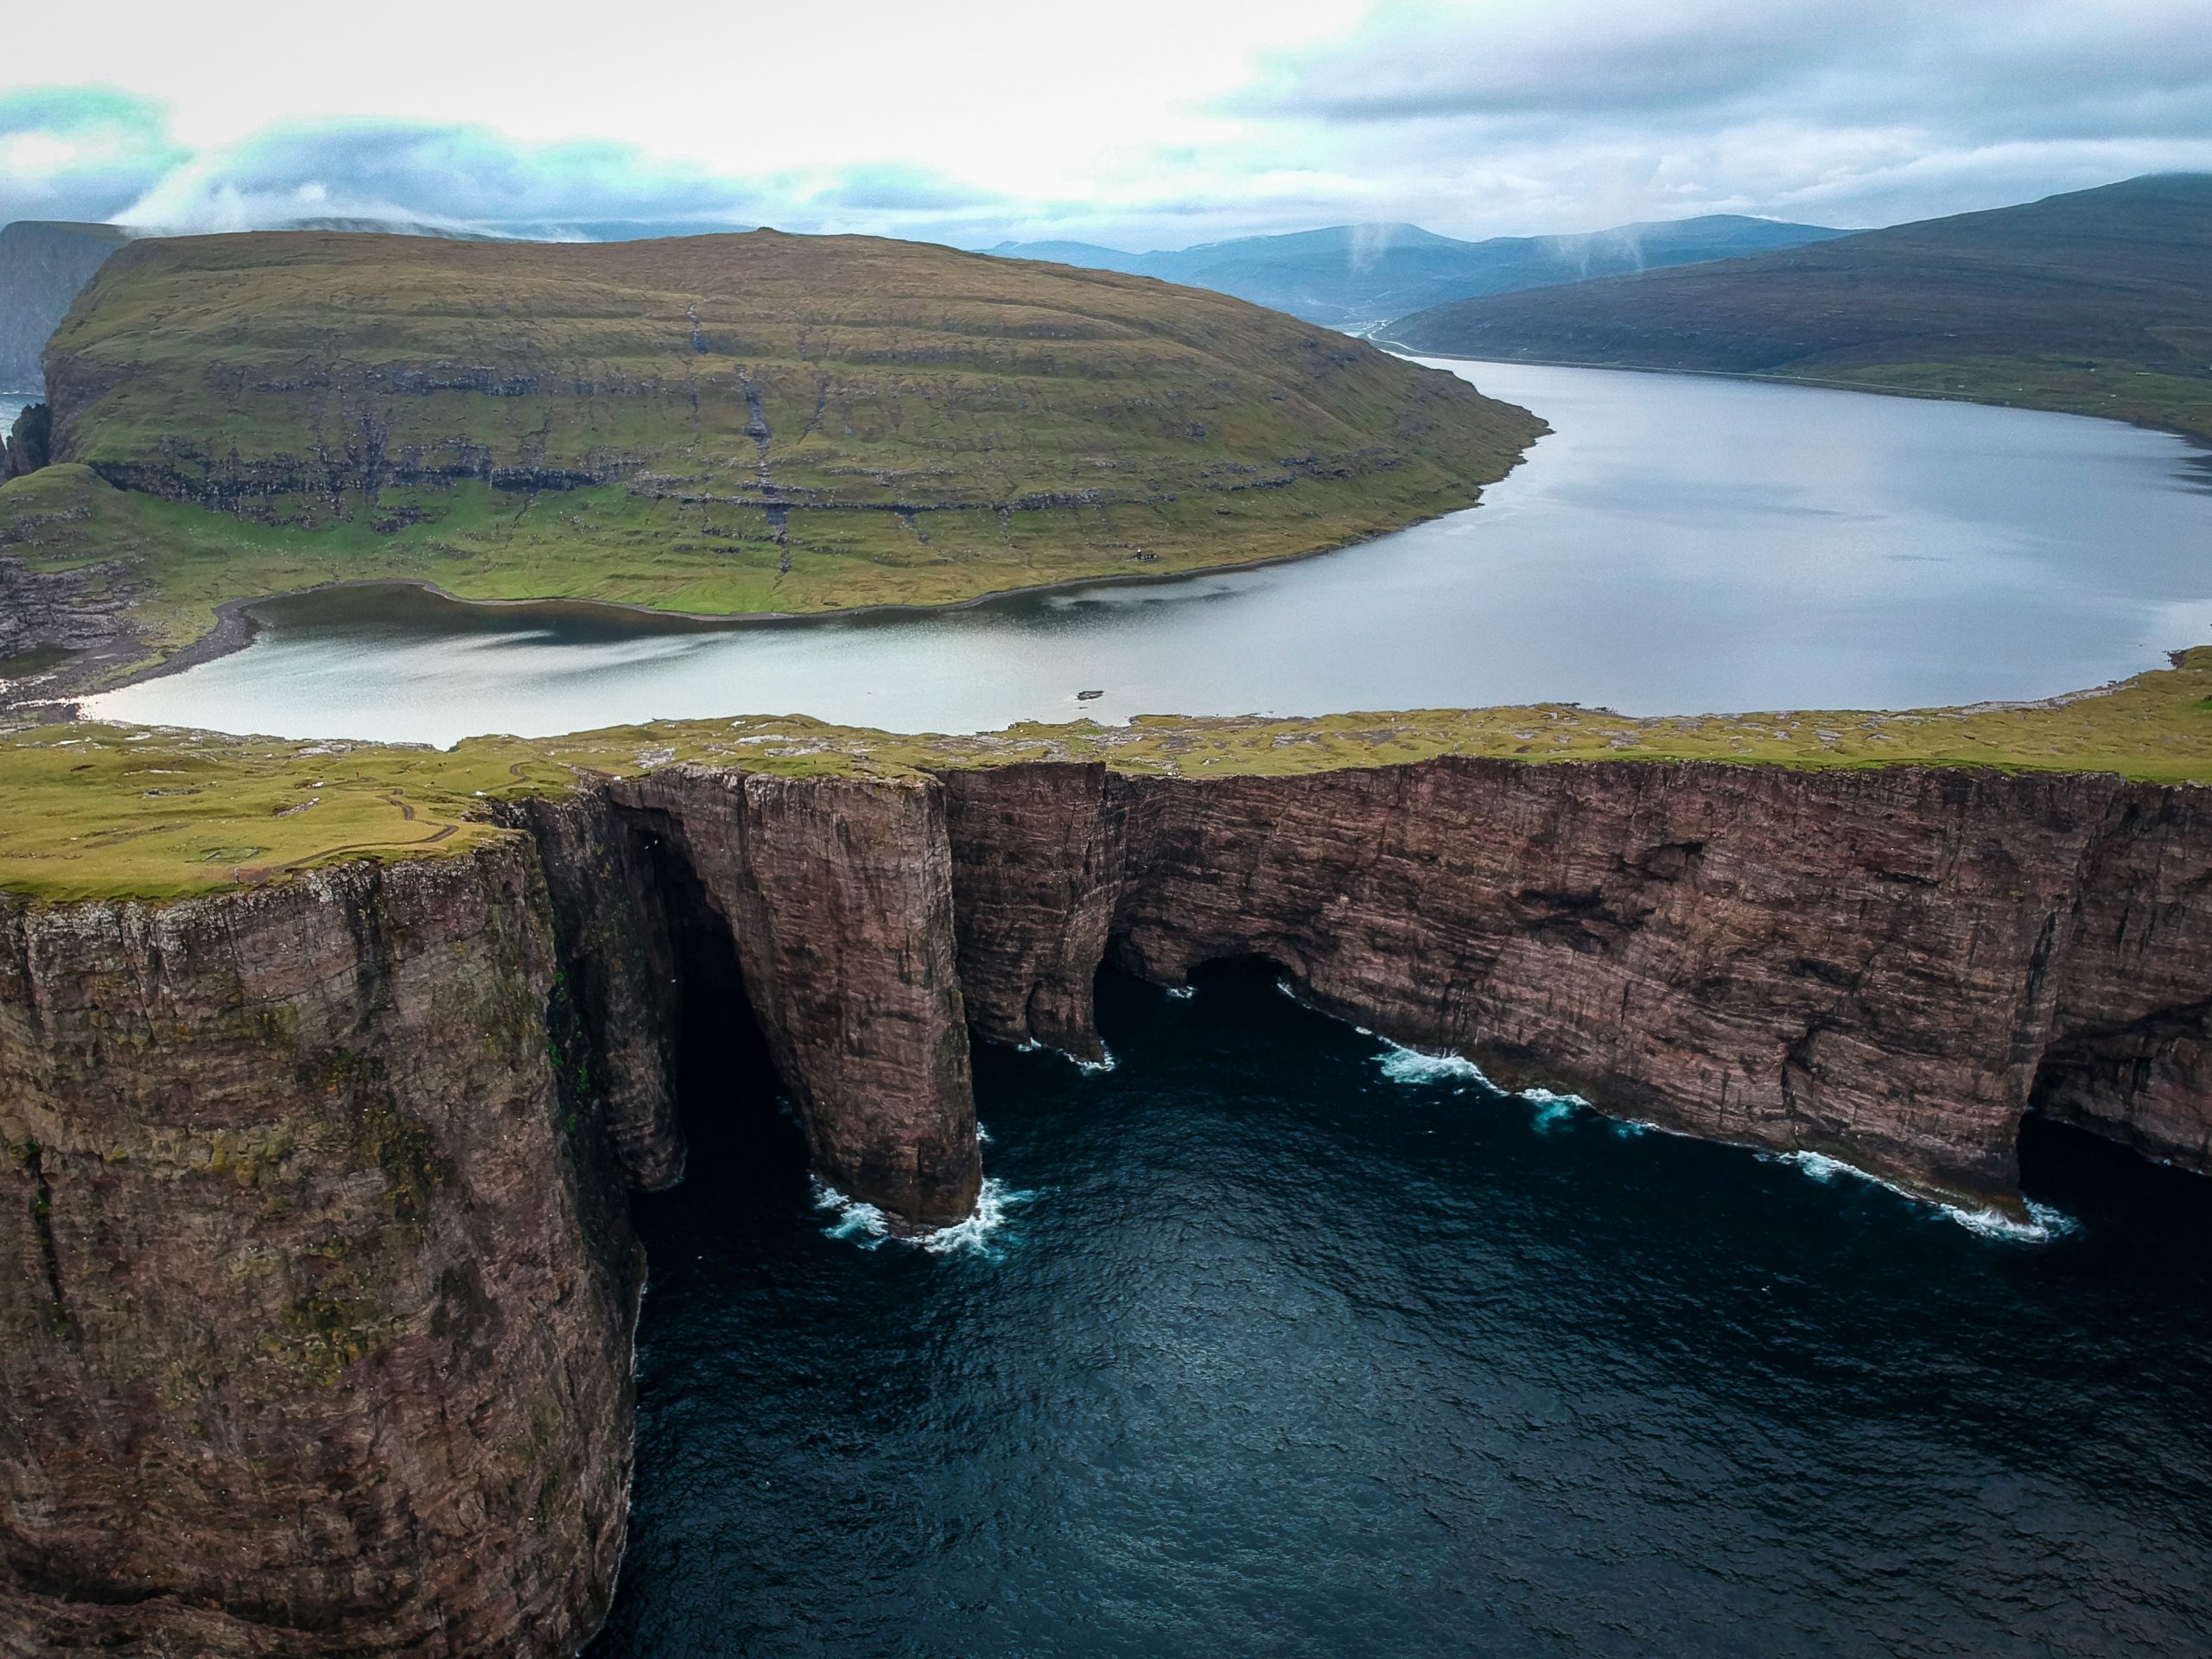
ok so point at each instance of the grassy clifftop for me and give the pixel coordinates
(739, 424)
(2096, 302)
(93, 812)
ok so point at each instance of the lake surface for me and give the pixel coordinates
(1679, 545)
(1288, 1345)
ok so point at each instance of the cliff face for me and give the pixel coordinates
(317, 1286)
(87, 609)
(316, 1323)
(837, 895)
(1857, 964)
(1881, 966)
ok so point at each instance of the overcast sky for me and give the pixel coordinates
(1143, 123)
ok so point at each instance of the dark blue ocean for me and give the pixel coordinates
(1275, 1352)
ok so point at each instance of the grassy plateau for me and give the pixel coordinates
(97, 811)
(719, 425)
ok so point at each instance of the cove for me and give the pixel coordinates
(1679, 543)
(1276, 1351)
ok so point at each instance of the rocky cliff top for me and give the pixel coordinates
(101, 811)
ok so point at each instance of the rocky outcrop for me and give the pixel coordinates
(29, 444)
(42, 265)
(837, 895)
(316, 1292)
(314, 1334)
(78, 618)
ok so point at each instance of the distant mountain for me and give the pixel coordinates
(1354, 274)
(2097, 301)
(42, 264)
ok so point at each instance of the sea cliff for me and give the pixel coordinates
(318, 1283)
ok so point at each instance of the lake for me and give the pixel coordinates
(1679, 543)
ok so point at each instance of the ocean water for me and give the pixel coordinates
(1284, 1342)
(1679, 545)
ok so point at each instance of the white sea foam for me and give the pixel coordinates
(1553, 1112)
(2044, 1222)
(1182, 993)
(1104, 1063)
(854, 1219)
(869, 1228)
(1402, 1065)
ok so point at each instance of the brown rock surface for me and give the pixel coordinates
(1857, 963)
(838, 896)
(315, 1328)
(1883, 966)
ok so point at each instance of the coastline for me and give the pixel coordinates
(236, 627)
(1399, 348)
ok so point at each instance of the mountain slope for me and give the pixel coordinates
(1352, 274)
(42, 267)
(2097, 301)
(745, 423)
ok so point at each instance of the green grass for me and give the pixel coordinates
(721, 425)
(605, 544)
(96, 812)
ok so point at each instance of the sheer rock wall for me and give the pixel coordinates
(317, 1284)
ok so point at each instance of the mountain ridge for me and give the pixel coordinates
(2093, 302)
(1347, 274)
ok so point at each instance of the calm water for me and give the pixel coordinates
(1679, 543)
(1282, 1355)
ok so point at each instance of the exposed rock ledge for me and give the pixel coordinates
(316, 1290)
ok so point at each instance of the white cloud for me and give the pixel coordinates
(1149, 123)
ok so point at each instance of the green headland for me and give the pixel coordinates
(100, 811)
(713, 425)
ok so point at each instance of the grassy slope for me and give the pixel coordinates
(89, 811)
(927, 426)
(2097, 303)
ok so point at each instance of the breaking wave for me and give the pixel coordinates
(1402, 1065)
(868, 1226)
(2043, 1224)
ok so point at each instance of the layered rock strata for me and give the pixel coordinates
(318, 1288)
(315, 1331)
(838, 897)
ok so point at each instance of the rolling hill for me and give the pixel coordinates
(1353, 275)
(725, 425)
(2097, 301)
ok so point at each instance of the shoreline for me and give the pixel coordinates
(236, 627)
(1399, 348)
